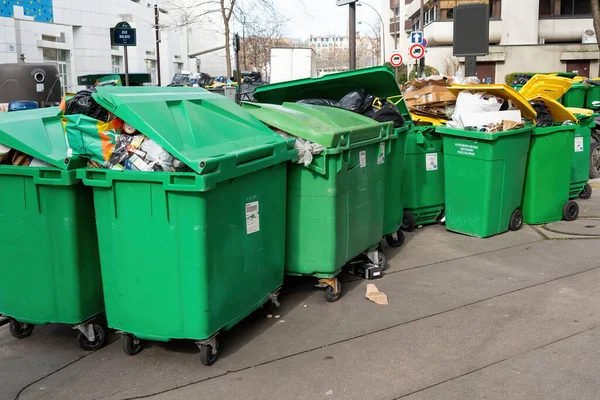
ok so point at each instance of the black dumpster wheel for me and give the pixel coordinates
(19, 330)
(516, 220)
(208, 356)
(330, 296)
(397, 241)
(586, 193)
(571, 211)
(130, 347)
(408, 222)
(100, 338)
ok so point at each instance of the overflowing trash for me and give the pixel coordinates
(92, 132)
(429, 97)
(544, 117)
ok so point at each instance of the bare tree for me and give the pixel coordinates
(451, 66)
(596, 17)
(196, 12)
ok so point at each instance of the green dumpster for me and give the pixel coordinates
(547, 184)
(50, 268)
(380, 82)
(335, 202)
(580, 168)
(592, 96)
(484, 172)
(575, 97)
(186, 255)
(423, 178)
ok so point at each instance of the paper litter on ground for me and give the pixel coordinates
(375, 295)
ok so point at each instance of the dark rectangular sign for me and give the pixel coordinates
(471, 30)
(123, 35)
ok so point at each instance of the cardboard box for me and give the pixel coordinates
(428, 95)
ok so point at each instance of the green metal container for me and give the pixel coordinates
(548, 177)
(186, 255)
(424, 178)
(50, 270)
(575, 96)
(380, 82)
(336, 202)
(484, 174)
(592, 95)
(580, 167)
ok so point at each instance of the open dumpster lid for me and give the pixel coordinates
(378, 81)
(38, 133)
(504, 92)
(550, 86)
(580, 111)
(200, 128)
(327, 126)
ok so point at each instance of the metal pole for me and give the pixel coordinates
(236, 48)
(352, 34)
(157, 31)
(422, 26)
(470, 65)
(382, 30)
(126, 65)
(397, 35)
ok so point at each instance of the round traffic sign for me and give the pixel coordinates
(396, 60)
(417, 51)
(424, 42)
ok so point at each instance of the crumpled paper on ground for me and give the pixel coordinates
(375, 295)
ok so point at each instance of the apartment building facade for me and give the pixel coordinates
(75, 35)
(525, 35)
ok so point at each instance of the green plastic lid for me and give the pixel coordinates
(206, 131)
(378, 81)
(38, 133)
(327, 126)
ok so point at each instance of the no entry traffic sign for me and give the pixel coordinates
(417, 51)
(396, 60)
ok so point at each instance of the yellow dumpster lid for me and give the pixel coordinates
(551, 86)
(504, 92)
(580, 111)
(558, 111)
(579, 78)
(431, 120)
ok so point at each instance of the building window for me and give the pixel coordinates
(565, 8)
(116, 64)
(178, 67)
(151, 69)
(60, 59)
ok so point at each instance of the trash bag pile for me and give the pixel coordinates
(83, 103)
(361, 102)
(521, 79)
(544, 117)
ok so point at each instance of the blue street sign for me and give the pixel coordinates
(424, 42)
(416, 37)
(123, 35)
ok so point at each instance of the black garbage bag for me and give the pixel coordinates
(544, 118)
(319, 102)
(521, 79)
(83, 103)
(356, 101)
(387, 113)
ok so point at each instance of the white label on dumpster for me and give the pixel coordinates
(381, 158)
(252, 218)
(40, 87)
(431, 162)
(362, 158)
(578, 144)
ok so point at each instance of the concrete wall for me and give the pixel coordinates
(531, 58)
(519, 22)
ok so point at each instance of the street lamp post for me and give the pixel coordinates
(376, 35)
(382, 28)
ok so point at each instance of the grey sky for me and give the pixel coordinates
(320, 17)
